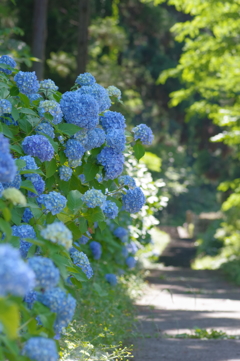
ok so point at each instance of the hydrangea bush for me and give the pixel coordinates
(68, 201)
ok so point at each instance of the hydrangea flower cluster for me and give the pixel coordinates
(116, 139)
(112, 120)
(95, 138)
(5, 59)
(74, 163)
(45, 129)
(16, 182)
(96, 249)
(82, 261)
(127, 180)
(5, 107)
(51, 107)
(30, 164)
(27, 215)
(130, 262)
(38, 184)
(112, 161)
(99, 93)
(143, 133)
(27, 82)
(85, 79)
(16, 277)
(48, 84)
(65, 173)
(84, 239)
(110, 209)
(8, 120)
(38, 146)
(30, 298)
(74, 149)
(132, 247)
(133, 200)
(40, 349)
(54, 202)
(113, 91)
(47, 275)
(80, 109)
(121, 233)
(8, 168)
(111, 278)
(33, 97)
(15, 196)
(24, 231)
(58, 233)
(94, 198)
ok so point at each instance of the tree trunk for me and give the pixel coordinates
(39, 35)
(82, 54)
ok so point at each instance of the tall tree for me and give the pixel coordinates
(82, 44)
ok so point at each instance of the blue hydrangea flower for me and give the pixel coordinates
(27, 82)
(74, 163)
(45, 128)
(116, 139)
(81, 110)
(61, 139)
(124, 252)
(60, 303)
(1, 189)
(95, 138)
(121, 233)
(114, 92)
(48, 84)
(112, 161)
(51, 107)
(81, 136)
(27, 215)
(5, 59)
(99, 93)
(5, 107)
(54, 202)
(82, 178)
(38, 184)
(126, 180)
(94, 198)
(110, 210)
(8, 168)
(65, 173)
(33, 97)
(38, 146)
(40, 349)
(130, 262)
(30, 165)
(16, 182)
(47, 274)
(30, 298)
(16, 277)
(85, 79)
(111, 278)
(96, 249)
(8, 120)
(4, 144)
(144, 133)
(82, 261)
(58, 233)
(132, 247)
(112, 120)
(133, 200)
(74, 149)
(84, 239)
(24, 231)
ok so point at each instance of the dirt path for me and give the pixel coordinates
(177, 300)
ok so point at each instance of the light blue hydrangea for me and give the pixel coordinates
(30, 298)
(54, 202)
(8, 120)
(82, 178)
(45, 128)
(4, 144)
(61, 139)
(112, 120)
(74, 163)
(30, 165)
(114, 92)
(82, 261)
(1, 189)
(81, 136)
(27, 82)
(116, 139)
(111, 278)
(38, 146)
(112, 162)
(81, 110)
(143, 133)
(38, 184)
(94, 198)
(133, 200)
(51, 107)
(65, 173)
(85, 79)
(5, 59)
(96, 249)
(49, 85)
(8, 168)
(127, 180)
(84, 239)
(121, 233)
(58, 233)
(47, 274)
(27, 215)
(40, 349)
(132, 247)
(16, 277)
(24, 231)
(110, 210)
(124, 251)
(99, 93)
(5, 107)
(131, 262)
(33, 97)
(74, 149)
(95, 138)
(16, 182)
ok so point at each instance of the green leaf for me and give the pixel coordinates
(94, 215)
(17, 214)
(83, 225)
(54, 144)
(76, 232)
(69, 129)
(51, 167)
(62, 157)
(15, 113)
(102, 225)
(25, 125)
(28, 111)
(5, 228)
(139, 150)
(27, 184)
(6, 214)
(24, 99)
(77, 273)
(14, 91)
(74, 200)
(90, 170)
(6, 131)
(34, 121)
(16, 148)
(10, 318)
(99, 290)
(20, 163)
